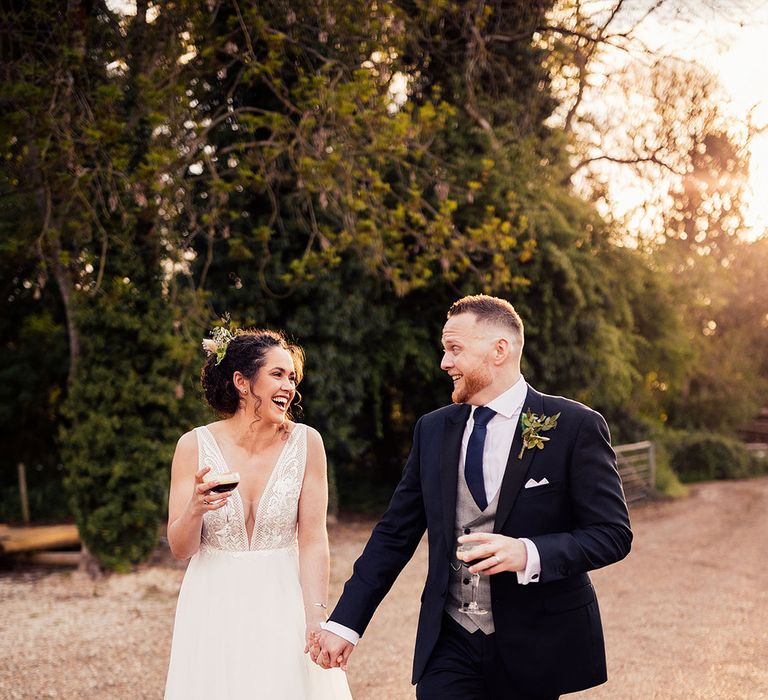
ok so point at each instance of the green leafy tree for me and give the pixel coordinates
(486, 209)
(87, 103)
(713, 274)
(343, 172)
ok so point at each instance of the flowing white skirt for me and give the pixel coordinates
(239, 632)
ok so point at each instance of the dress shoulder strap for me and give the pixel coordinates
(208, 452)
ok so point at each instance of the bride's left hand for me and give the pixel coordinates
(313, 628)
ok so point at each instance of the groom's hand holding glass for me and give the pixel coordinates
(493, 553)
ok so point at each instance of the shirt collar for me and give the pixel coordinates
(509, 402)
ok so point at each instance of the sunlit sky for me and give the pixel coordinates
(735, 49)
(743, 72)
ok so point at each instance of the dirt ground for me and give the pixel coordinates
(686, 615)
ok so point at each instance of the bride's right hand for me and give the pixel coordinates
(203, 499)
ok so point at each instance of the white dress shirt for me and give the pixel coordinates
(499, 436)
(498, 443)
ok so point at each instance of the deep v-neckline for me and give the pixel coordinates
(236, 494)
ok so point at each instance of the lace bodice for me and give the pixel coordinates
(276, 516)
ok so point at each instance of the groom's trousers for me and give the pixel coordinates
(467, 666)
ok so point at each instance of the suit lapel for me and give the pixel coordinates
(516, 469)
(455, 422)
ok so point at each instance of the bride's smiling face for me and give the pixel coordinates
(275, 385)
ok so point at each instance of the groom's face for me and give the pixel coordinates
(466, 357)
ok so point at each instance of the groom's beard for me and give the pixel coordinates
(471, 383)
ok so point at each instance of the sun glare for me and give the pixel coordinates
(757, 207)
(734, 51)
(740, 69)
(739, 64)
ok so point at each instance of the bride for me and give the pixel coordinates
(256, 587)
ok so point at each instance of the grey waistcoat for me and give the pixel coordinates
(469, 516)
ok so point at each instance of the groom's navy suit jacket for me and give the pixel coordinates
(549, 633)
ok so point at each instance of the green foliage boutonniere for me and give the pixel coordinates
(533, 426)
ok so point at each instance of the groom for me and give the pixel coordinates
(539, 520)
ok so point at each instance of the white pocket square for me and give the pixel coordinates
(532, 484)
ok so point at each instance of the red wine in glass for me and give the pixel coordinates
(227, 482)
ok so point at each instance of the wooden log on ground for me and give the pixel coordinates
(53, 558)
(41, 537)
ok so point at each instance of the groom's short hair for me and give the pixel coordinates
(490, 310)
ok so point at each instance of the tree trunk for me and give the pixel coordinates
(65, 289)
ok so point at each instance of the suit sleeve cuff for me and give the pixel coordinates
(533, 565)
(344, 632)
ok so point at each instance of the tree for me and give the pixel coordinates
(344, 173)
(85, 91)
(32, 375)
(491, 164)
(669, 139)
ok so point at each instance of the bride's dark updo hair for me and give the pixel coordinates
(246, 353)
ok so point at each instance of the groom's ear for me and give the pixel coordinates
(500, 350)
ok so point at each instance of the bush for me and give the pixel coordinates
(664, 439)
(667, 481)
(758, 463)
(123, 416)
(703, 457)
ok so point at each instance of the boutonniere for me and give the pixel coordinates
(533, 426)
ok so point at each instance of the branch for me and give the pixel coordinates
(474, 49)
(543, 29)
(635, 160)
(244, 29)
(102, 263)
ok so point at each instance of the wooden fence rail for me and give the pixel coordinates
(28, 539)
(637, 466)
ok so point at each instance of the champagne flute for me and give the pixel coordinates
(227, 482)
(471, 607)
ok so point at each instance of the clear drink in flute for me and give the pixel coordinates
(227, 482)
(471, 607)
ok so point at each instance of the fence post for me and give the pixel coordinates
(23, 492)
(652, 465)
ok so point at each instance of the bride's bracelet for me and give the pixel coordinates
(322, 607)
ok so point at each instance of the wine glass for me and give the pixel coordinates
(471, 607)
(227, 482)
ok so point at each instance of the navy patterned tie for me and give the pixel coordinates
(473, 462)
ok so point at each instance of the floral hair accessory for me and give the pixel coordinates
(221, 337)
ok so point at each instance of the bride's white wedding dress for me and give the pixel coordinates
(240, 627)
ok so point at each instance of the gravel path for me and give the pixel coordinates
(686, 615)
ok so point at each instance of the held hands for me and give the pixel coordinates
(203, 499)
(315, 616)
(328, 650)
(498, 553)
